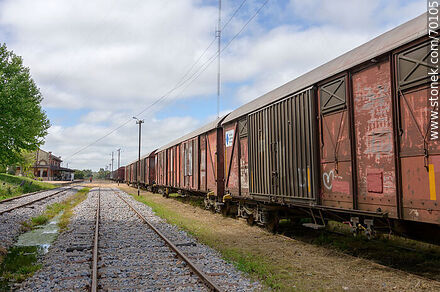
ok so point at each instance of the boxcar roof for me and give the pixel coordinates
(206, 128)
(142, 157)
(385, 42)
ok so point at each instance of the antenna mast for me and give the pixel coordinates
(219, 33)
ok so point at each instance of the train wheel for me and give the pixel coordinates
(272, 223)
(250, 220)
(225, 210)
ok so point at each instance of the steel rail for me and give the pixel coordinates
(27, 195)
(205, 278)
(95, 247)
(34, 201)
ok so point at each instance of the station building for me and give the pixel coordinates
(48, 167)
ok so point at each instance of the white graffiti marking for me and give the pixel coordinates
(327, 179)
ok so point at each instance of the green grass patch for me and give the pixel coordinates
(39, 220)
(12, 186)
(52, 210)
(68, 205)
(195, 201)
(18, 264)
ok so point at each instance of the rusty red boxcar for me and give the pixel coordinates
(347, 140)
(190, 163)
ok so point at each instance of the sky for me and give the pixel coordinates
(98, 63)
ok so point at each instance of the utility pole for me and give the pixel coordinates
(219, 35)
(139, 122)
(119, 165)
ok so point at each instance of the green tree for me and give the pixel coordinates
(87, 172)
(79, 174)
(102, 174)
(23, 123)
(26, 160)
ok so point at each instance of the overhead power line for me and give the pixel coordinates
(184, 81)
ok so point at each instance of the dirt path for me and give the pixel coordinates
(283, 262)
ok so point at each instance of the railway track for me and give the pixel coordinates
(14, 203)
(112, 245)
(176, 269)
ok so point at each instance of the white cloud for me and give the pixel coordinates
(154, 134)
(114, 58)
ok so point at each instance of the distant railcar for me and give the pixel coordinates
(118, 175)
(190, 163)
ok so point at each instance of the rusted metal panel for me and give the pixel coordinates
(168, 167)
(335, 145)
(375, 181)
(142, 171)
(178, 166)
(147, 171)
(283, 157)
(161, 168)
(419, 157)
(420, 190)
(231, 158)
(244, 167)
(236, 161)
(211, 170)
(335, 137)
(172, 169)
(374, 138)
(203, 162)
(336, 187)
(190, 164)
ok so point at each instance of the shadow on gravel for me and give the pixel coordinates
(399, 253)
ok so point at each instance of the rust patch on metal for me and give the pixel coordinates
(374, 139)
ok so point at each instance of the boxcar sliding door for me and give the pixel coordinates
(335, 146)
(282, 149)
(374, 135)
(419, 138)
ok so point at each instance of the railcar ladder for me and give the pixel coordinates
(315, 224)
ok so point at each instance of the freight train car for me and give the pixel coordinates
(192, 163)
(146, 170)
(348, 140)
(118, 175)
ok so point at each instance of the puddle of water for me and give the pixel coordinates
(22, 257)
(42, 236)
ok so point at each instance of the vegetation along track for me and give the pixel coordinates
(14, 213)
(112, 245)
(11, 204)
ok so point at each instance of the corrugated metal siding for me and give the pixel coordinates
(282, 148)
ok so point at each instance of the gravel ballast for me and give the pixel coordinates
(131, 256)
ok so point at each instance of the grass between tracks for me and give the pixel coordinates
(19, 263)
(52, 210)
(12, 186)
